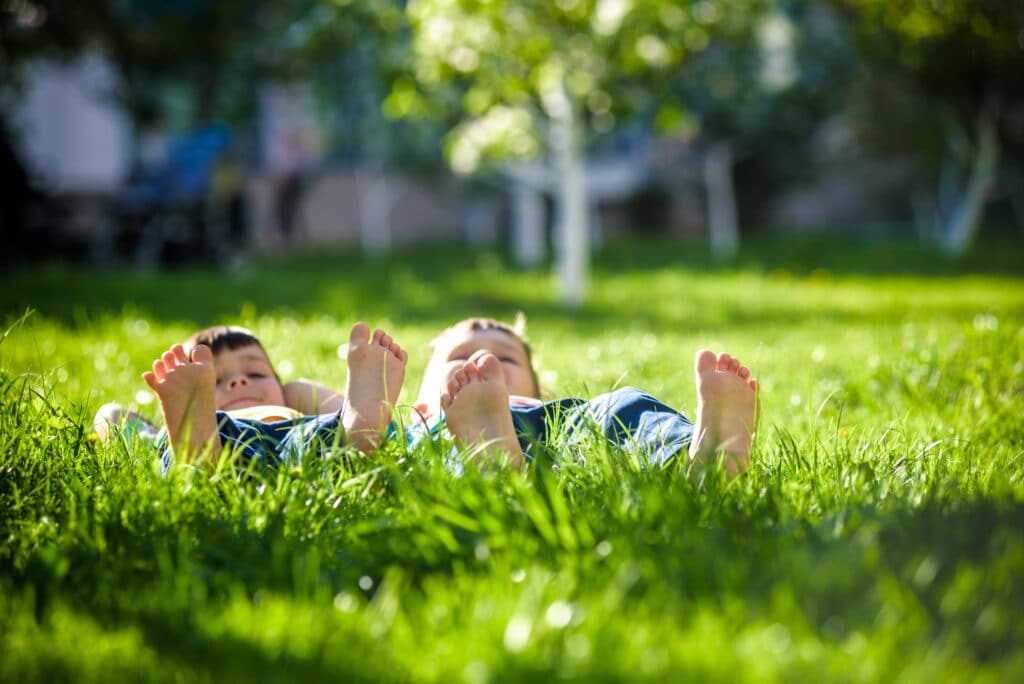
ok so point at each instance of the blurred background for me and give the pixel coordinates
(155, 132)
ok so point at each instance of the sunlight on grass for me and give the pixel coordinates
(878, 537)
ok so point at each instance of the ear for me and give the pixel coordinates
(519, 327)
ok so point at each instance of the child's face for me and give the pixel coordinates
(245, 378)
(509, 350)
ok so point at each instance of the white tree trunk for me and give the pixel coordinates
(479, 226)
(573, 232)
(375, 201)
(723, 225)
(965, 219)
(527, 225)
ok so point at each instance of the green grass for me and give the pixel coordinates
(878, 537)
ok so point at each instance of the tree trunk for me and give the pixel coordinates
(573, 233)
(527, 225)
(964, 221)
(375, 200)
(207, 87)
(723, 226)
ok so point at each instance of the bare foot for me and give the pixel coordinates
(476, 408)
(187, 391)
(727, 411)
(376, 369)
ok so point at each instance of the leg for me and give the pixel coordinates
(376, 369)
(727, 411)
(632, 420)
(186, 389)
(476, 408)
(113, 418)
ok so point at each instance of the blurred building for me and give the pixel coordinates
(71, 132)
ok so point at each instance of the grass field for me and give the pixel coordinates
(878, 537)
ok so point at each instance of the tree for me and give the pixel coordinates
(205, 45)
(966, 57)
(534, 79)
(346, 52)
(762, 84)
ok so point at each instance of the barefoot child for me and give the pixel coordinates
(481, 384)
(220, 388)
(303, 397)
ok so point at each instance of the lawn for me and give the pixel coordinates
(878, 537)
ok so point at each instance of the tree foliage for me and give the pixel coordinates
(960, 51)
(966, 58)
(510, 67)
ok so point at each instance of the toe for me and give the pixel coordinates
(400, 354)
(360, 334)
(734, 365)
(151, 380)
(753, 384)
(159, 369)
(472, 372)
(461, 378)
(743, 372)
(202, 354)
(378, 335)
(453, 388)
(170, 361)
(385, 339)
(705, 361)
(723, 362)
(179, 353)
(446, 401)
(490, 367)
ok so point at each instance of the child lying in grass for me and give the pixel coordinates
(481, 383)
(220, 387)
(303, 397)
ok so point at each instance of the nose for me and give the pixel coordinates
(238, 381)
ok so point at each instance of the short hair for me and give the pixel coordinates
(223, 337)
(227, 337)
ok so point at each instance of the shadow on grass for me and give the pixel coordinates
(942, 565)
(424, 284)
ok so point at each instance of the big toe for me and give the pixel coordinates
(202, 354)
(360, 334)
(705, 361)
(490, 367)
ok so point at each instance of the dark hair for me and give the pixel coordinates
(227, 337)
(221, 337)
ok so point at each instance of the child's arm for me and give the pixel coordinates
(312, 398)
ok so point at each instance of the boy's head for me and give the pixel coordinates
(245, 376)
(454, 346)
